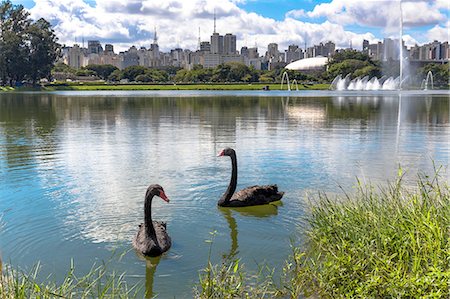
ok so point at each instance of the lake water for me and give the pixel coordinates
(74, 168)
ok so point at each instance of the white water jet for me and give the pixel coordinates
(365, 83)
(429, 79)
(285, 74)
(296, 85)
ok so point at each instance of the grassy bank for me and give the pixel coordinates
(386, 242)
(98, 283)
(391, 242)
(102, 86)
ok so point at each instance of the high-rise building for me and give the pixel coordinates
(293, 53)
(272, 51)
(253, 53)
(229, 44)
(390, 49)
(244, 51)
(109, 49)
(216, 43)
(76, 57)
(365, 46)
(130, 57)
(205, 47)
(94, 47)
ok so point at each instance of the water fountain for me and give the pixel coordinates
(285, 74)
(296, 85)
(374, 83)
(365, 83)
(426, 81)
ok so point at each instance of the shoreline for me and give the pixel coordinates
(87, 86)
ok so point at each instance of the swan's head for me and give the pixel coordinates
(157, 190)
(228, 151)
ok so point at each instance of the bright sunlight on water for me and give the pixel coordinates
(74, 168)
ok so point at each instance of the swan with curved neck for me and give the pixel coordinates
(152, 238)
(250, 196)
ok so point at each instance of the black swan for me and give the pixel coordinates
(152, 238)
(250, 196)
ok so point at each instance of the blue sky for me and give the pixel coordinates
(259, 22)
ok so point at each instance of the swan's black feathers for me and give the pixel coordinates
(255, 195)
(152, 246)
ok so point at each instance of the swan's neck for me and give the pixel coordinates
(149, 229)
(233, 182)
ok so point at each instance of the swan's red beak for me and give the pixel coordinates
(221, 153)
(163, 196)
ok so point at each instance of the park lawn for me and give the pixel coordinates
(258, 86)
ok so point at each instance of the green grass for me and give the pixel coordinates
(394, 243)
(207, 86)
(98, 283)
(230, 280)
(256, 86)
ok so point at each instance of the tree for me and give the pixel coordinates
(102, 70)
(44, 50)
(14, 24)
(440, 72)
(133, 71)
(61, 67)
(355, 63)
(28, 49)
(143, 78)
(115, 76)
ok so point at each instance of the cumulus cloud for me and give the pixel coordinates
(127, 23)
(440, 33)
(381, 13)
(296, 13)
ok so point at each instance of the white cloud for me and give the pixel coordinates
(382, 13)
(296, 13)
(440, 33)
(127, 23)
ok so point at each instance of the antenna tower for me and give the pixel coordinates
(214, 20)
(155, 37)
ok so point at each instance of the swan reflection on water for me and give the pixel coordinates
(261, 211)
(150, 269)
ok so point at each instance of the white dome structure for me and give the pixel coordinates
(308, 64)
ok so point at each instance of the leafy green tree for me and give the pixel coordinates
(102, 70)
(441, 74)
(44, 50)
(133, 71)
(143, 78)
(181, 75)
(352, 62)
(197, 74)
(349, 54)
(156, 75)
(28, 49)
(369, 70)
(220, 73)
(61, 67)
(14, 25)
(85, 73)
(115, 76)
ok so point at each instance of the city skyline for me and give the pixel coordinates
(181, 23)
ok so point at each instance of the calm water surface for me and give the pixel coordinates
(74, 168)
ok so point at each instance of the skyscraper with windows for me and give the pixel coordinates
(216, 43)
(229, 44)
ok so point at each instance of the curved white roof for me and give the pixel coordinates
(306, 64)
